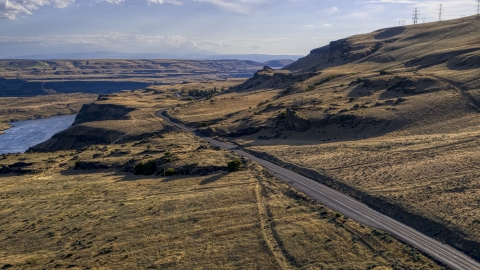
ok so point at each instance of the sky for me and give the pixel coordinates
(30, 27)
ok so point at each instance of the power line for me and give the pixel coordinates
(416, 15)
(440, 12)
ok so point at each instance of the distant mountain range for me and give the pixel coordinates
(121, 55)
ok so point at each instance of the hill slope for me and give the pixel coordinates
(392, 114)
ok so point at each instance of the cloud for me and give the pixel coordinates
(328, 11)
(62, 3)
(114, 1)
(243, 7)
(11, 9)
(368, 12)
(175, 2)
(111, 39)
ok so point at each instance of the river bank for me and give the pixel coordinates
(25, 134)
(14, 109)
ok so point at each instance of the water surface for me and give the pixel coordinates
(25, 134)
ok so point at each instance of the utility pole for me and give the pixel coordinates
(416, 15)
(478, 9)
(440, 13)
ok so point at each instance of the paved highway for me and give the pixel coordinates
(353, 209)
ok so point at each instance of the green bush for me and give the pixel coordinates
(235, 165)
(282, 115)
(398, 83)
(147, 168)
(170, 172)
(203, 124)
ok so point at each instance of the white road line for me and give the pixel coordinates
(354, 209)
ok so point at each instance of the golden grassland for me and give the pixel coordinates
(70, 214)
(393, 113)
(221, 107)
(27, 108)
(126, 115)
(414, 154)
(432, 175)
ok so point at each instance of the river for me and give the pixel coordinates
(25, 134)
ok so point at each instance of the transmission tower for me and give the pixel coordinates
(440, 13)
(424, 19)
(416, 15)
(401, 22)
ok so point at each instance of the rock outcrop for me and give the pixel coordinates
(101, 112)
(295, 122)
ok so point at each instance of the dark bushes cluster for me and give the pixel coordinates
(147, 168)
(202, 93)
(235, 165)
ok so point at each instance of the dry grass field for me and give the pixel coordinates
(126, 115)
(19, 109)
(431, 175)
(393, 114)
(86, 209)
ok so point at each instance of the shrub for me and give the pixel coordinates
(202, 93)
(310, 88)
(235, 165)
(383, 72)
(147, 168)
(282, 115)
(170, 172)
(203, 124)
(398, 83)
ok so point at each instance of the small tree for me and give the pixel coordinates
(235, 165)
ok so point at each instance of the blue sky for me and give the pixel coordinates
(186, 26)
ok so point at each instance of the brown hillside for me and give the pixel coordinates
(392, 114)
